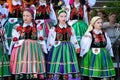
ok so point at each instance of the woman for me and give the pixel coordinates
(96, 52)
(62, 46)
(45, 15)
(4, 59)
(15, 16)
(76, 16)
(27, 56)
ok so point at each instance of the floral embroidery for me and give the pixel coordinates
(63, 31)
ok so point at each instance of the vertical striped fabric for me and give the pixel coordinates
(99, 65)
(27, 58)
(62, 60)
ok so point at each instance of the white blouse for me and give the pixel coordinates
(19, 42)
(52, 35)
(87, 40)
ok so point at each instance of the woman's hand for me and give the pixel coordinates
(78, 50)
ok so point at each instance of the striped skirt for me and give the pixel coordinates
(62, 60)
(97, 65)
(28, 58)
(4, 63)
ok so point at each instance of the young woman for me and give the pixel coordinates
(27, 58)
(14, 16)
(96, 52)
(76, 16)
(62, 46)
(4, 59)
(45, 15)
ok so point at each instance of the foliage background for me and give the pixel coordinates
(113, 6)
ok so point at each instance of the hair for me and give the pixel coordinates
(32, 13)
(92, 22)
(112, 13)
(30, 10)
(103, 12)
(61, 11)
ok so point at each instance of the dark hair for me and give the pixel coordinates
(30, 10)
(102, 11)
(112, 13)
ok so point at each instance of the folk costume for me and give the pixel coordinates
(96, 53)
(62, 57)
(45, 15)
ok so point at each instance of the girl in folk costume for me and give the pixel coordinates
(62, 46)
(76, 16)
(15, 15)
(27, 56)
(96, 52)
(45, 15)
(4, 59)
(79, 17)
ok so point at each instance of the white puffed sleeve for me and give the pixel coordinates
(73, 39)
(6, 41)
(51, 38)
(85, 17)
(41, 39)
(17, 35)
(53, 15)
(14, 32)
(109, 46)
(91, 2)
(66, 2)
(85, 44)
(68, 11)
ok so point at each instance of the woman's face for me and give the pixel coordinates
(98, 24)
(27, 17)
(62, 18)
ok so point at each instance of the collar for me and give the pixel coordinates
(25, 25)
(97, 32)
(16, 3)
(42, 4)
(62, 26)
(77, 5)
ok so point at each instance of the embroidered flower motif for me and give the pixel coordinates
(41, 38)
(56, 42)
(28, 29)
(34, 30)
(19, 28)
(15, 39)
(63, 31)
(96, 50)
(12, 20)
(40, 27)
(99, 37)
(38, 21)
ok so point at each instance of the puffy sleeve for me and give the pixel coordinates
(85, 43)
(68, 9)
(15, 39)
(73, 39)
(41, 39)
(53, 15)
(15, 33)
(91, 2)
(109, 46)
(51, 38)
(6, 41)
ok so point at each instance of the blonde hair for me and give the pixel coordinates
(93, 20)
